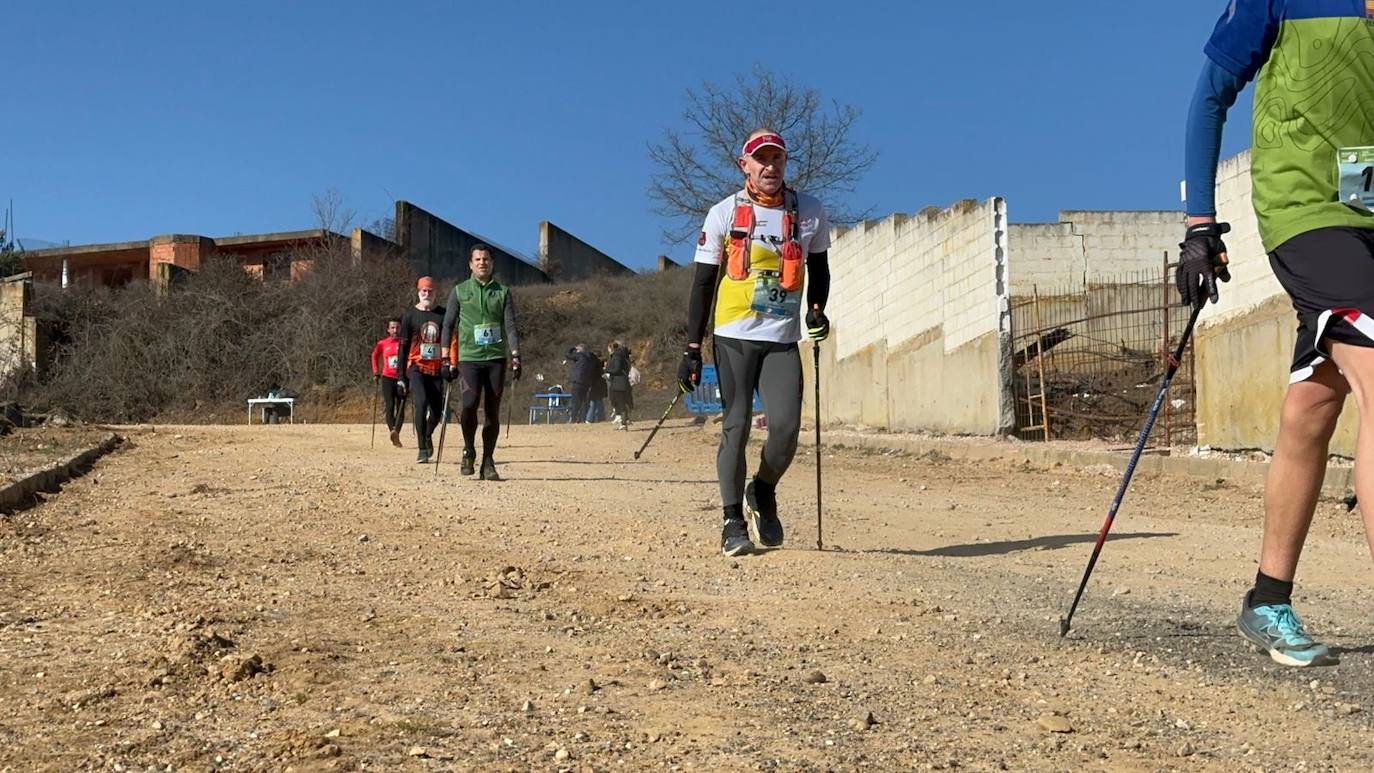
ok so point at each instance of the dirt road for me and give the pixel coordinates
(285, 598)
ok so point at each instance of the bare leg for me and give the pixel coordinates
(1310, 411)
(1357, 362)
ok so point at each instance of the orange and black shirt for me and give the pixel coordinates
(421, 344)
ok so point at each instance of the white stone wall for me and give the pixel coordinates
(896, 278)
(17, 345)
(1088, 246)
(1252, 281)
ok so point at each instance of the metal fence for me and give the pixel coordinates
(1088, 360)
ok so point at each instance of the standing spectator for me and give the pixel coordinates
(596, 396)
(583, 364)
(622, 396)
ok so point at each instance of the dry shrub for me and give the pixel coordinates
(218, 337)
(648, 313)
(221, 336)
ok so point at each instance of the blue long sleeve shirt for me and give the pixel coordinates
(1216, 92)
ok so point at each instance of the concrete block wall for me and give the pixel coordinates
(1252, 281)
(566, 258)
(1091, 246)
(18, 335)
(918, 305)
(439, 249)
(365, 244)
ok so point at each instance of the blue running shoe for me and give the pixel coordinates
(1276, 629)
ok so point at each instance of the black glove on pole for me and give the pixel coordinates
(689, 370)
(1202, 261)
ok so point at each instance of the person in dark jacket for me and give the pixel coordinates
(585, 371)
(596, 396)
(621, 390)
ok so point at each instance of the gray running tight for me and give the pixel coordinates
(775, 370)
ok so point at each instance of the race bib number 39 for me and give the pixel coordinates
(771, 299)
(1356, 169)
(486, 335)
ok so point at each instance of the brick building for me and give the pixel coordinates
(430, 244)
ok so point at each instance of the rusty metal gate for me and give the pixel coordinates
(1088, 360)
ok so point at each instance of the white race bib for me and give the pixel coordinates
(771, 299)
(486, 334)
(429, 351)
(1355, 167)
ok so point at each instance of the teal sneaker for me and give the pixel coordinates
(1276, 629)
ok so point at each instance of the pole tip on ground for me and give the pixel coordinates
(636, 454)
(1063, 627)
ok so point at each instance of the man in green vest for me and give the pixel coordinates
(484, 311)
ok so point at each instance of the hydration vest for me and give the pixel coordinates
(792, 267)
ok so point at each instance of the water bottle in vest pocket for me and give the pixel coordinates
(793, 266)
(741, 242)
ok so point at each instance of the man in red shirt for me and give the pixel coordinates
(385, 366)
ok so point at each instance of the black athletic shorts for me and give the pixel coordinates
(1329, 275)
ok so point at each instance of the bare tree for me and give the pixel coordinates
(330, 212)
(696, 168)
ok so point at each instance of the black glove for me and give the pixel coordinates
(689, 370)
(1202, 263)
(400, 387)
(817, 325)
(515, 368)
(448, 372)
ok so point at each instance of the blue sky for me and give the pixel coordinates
(122, 121)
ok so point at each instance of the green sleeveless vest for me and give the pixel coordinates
(481, 321)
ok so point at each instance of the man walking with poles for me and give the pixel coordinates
(421, 359)
(480, 322)
(386, 368)
(1313, 128)
(756, 250)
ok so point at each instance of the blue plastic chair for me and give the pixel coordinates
(705, 399)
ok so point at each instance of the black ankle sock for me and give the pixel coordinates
(734, 512)
(1269, 591)
(765, 489)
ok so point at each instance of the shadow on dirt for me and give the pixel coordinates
(1051, 542)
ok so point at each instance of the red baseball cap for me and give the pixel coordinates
(762, 141)
(424, 283)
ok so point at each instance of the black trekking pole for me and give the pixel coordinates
(1174, 361)
(816, 376)
(661, 419)
(443, 427)
(377, 384)
(510, 408)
